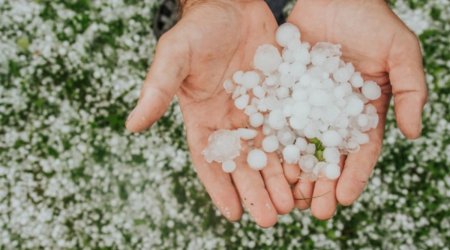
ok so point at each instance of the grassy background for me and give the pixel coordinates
(72, 178)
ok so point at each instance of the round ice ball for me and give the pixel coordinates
(270, 144)
(267, 58)
(371, 90)
(286, 33)
(228, 166)
(291, 154)
(331, 138)
(331, 155)
(256, 119)
(257, 159)
(331, 171)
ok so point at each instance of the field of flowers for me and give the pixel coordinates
(71, 177)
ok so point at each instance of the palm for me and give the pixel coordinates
(210, 42)
(384, 50)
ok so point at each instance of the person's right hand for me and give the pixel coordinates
(212, 40)
(384, 50)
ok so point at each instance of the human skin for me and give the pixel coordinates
(212, 40)
(384, 50)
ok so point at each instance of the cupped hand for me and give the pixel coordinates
(211, 41)
(383, 49)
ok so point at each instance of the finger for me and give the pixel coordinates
(303, 193)
(168, 70)
(292, 173)
(408, 83)
(277, 185)
(323, 205)
(253, 193)
(359, 165)
(218, 184)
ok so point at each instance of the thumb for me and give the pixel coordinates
(408, 84)
(168, 70)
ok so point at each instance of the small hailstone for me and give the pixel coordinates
(331, 155)
(259, 91)
(286, 137)
(256, 119)
(301, 143)
(362, 120)
(284, 68)
(276, 119)
(228, 86)
(287, 110)
(371, 90)
(238, 76)
(246, 134)
(311, 149)
(354, 106)
(311, 130)
(282, 92)
(299, 94)
(318, 168)
(257, 159)
(332, 171)
(267, 58)
(356, 80)
(302, 55)
(250, 109)
(223, 145)
(228, 166)
(307, 163)
(344, 74)
(291, 154)
(319, 97)
(250, 79)
(297, 122)
(301, 109)
(242, 102)
(318, 58)
(286, 33)
(270, 144)
(271, 80)
(331, 138)
(331, 64)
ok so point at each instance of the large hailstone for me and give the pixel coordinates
(267, 59)
(223, 145)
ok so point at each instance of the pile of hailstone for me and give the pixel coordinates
(311, 107)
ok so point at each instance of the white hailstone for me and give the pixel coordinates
(370, 109)
(299, 94)
(356, 80)
(344, 74)
(276, 119)
(374, 119)
(327, 49)
(282, 92)
(318, 97)
(250, 109)
(354, 106)
(267, 130)
(360, 137)
(318, 168)
(330, 113)
(331, 64)
(229, 166)
(352, 146)
(331, 155)
(285, 137)
(267, 58)
(287, 80)
(342, 122)
(256, 120)
(286, 33)
(246, 133)
(271, 80)
(297, 122)
(362, 120)
(228, 86)
(331, 138)
(332, 171)
(257, 159)
(288, 56)
(241, 102)
(301, 143)
(270, 144)
(259, 91)
(307, 163)
(291, 154)
(238, 76)
(250, 79)
(311, 130)
(318, 58)
(343, 132)
(297, 70)
(371, 90)
(301, 109)
(311, 149)
(223, 145)
(284, 68)
(302, 55)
